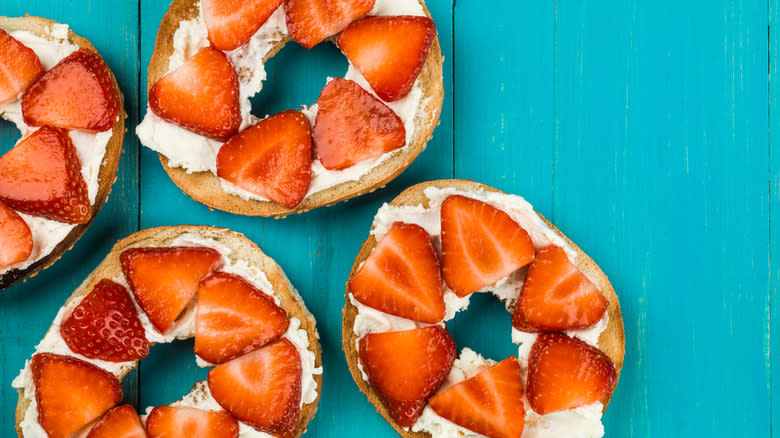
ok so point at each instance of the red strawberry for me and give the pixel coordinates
(352, 125)
(70, 392)
(105, 326)
(119, 422)
(401, 276)
(271, 159)
(490, 403)
(557, 296)
(231, 23)
(16, 240)
(234, 318)
(41, 176)
(389, 51)
(180, 421)
(164, 280)
(311, 21)
(201, 95)
(480, 244)
(407, 367)
(77, 93)
(19, 67)
(262, 388)
(566, 373)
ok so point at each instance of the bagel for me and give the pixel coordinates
(52, 239)
(240, 256)
(203, 185)
(411, 207)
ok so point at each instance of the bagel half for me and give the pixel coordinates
(108, 169)
(611, 341)
(241, 249)
(205, 187)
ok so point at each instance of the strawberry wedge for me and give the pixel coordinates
(311, 21)
(19, 67)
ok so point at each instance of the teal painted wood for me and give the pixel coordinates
(27, 309)
(774, 203)
(661, 176)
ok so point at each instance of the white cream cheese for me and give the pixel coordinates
(91, 147)
(183, 328)
(583, 422)
(196, 153)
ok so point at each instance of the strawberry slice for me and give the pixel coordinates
(271, 159)
(181, 421)
(70, 392)
(16, 240)
(407, 367)
(311, 21)
(41, 176)
(557, 296)
(19, 67)
(77, 93)
(566, 373)
(201, 95)
(164, 280)
(105, 326)
(480, 244)
(231, 23)
(389, 51)
(262, 388)
(490, 403)
(352, 125)
(119, 422)
(402, 276)
(234, 317)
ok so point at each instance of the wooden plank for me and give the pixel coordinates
(661, 176)
(774, 205)
(27, 309)
(316, 249)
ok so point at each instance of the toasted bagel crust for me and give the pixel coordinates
(611, 341)
(242, 249)
(108, 170)
(205, 187)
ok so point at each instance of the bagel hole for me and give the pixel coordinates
(169, 369)
(295, 77)
(485, 327)
(9, 135)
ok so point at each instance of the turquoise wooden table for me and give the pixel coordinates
(648, 131)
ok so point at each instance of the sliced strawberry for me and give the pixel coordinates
(77, 93)
(480, 244)
(389, 51)
(105, 326)
(164, 280)
(490, 403)
(311, 21)
(402, 276)
(557, 296)
(271, 159)
(233, 318)
(70, 392)
(119, 422)
(201, 95)
(407, 367)
(19, 67)
(41, 176)
(352, 125)
(262, 388)
(16, 240)
(231, 23)
(181, 421)
(566, 373)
